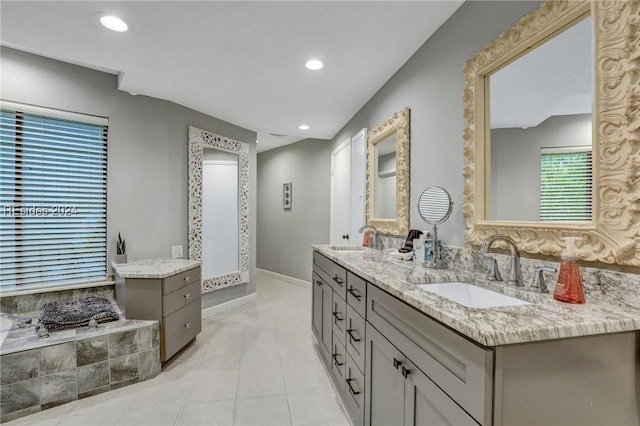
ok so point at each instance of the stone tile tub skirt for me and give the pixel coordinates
(36, 374)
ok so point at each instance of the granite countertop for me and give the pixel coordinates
(544, 319)
(154, 268)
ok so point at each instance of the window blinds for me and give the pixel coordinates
(566, 184)
(53, 197)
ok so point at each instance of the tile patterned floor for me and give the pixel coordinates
(252, 366)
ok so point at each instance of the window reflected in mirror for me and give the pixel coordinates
(540, 144)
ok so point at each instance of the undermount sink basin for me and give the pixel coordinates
(346, 248)
(471, 296)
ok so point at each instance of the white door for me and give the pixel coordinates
(357, 219)
(339, 219)
(347, 190)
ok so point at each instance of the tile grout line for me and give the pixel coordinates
(244, 333)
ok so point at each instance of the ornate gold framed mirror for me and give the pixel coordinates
(387, 187)
(594, 195)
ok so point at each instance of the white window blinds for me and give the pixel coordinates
(53, 197)
(566, 184)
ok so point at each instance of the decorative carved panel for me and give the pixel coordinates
(199, 139)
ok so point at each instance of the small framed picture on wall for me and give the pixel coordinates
(287, 193)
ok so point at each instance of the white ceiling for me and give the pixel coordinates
(556, 78)
(240, 61)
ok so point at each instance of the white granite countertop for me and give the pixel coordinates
(544, 319)
(153, 268)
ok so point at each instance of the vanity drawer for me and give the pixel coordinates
(338, 361)
(355, 338)
(323, 263)
(181, 327)
(339, 280)
(357, 293)
(180, 298)
(339, 319)
(176, 282)
(458, 366)
(355, 392)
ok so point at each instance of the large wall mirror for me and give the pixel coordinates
(387, 200)
(552, 111)
(218, 208)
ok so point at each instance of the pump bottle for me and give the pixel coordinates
(569, 286)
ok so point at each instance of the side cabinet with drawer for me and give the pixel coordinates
(173, 301)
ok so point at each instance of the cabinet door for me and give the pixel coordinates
(426, 404)
(385, 387)
(316, 307)
(327, 318)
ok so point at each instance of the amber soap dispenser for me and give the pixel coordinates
(569, 286)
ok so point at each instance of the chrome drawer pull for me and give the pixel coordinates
(353, 391)
(187, 279)
(188, 295)
(188, 325)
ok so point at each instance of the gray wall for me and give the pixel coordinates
(285, 236)
(431, 84)
(147, 153)
(515, 163)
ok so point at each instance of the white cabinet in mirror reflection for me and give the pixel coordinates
(219, 213)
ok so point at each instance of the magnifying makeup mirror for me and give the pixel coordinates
(435, 207)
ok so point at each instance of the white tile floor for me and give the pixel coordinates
(253, 366)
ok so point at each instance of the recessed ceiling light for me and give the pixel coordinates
(303, 127)
(314, 64)
(113, 22)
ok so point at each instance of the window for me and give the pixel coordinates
(566, 184)
(53, 197)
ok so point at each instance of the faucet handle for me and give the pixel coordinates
(493, 274)
(538, 284)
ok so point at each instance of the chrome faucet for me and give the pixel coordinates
(513, 277)
(538, 284)
(375, 238)
(26, 322)
(22, 322)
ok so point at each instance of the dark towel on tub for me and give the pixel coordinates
(58, 316)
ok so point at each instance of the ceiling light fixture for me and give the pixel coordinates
(113, 22)
(303, 127)
(314, 64)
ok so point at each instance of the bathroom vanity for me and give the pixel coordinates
(164, 290)
(399, 355)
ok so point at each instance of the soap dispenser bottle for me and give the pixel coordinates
(569, 286)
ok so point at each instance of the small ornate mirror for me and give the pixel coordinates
(435, 207)
(388, 176)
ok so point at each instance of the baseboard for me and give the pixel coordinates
(227, 306)
(285, 278)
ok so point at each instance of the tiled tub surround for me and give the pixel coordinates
(36, 374)
(612, 297)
